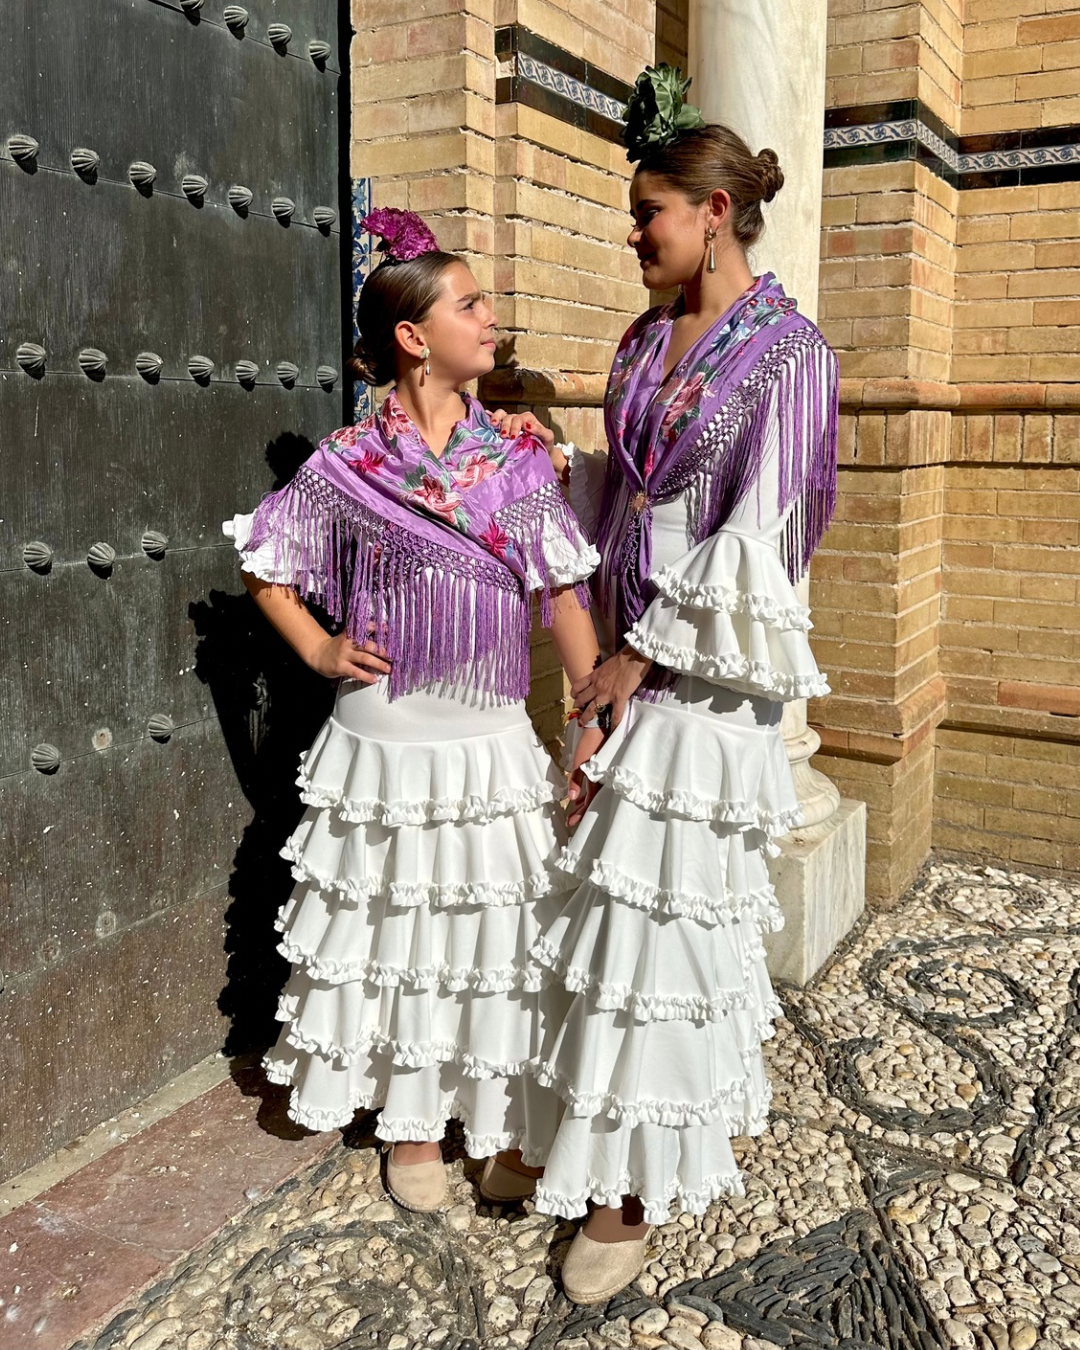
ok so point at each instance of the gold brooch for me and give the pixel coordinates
(638, 502)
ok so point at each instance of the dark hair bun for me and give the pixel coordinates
(362, 366)
(772, 176)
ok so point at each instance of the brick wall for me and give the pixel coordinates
(946, 596)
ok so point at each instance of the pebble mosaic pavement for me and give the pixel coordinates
(919, 1185)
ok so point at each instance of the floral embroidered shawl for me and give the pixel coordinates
(713, 409)
(430, 554)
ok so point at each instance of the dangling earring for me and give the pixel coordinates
(424, 355)
(710, 235)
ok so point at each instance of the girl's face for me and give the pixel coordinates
(460, 329)
(668, 234)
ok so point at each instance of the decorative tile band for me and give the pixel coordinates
(363, 394)
(839, 138)
(547, 77)
(543, 76)
(907, 129)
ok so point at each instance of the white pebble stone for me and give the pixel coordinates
(380, 1212)
(163, 1333)
(1022, 1336)
(651, 1322)
(718, 1337)
(959, 1334)
(691, 1315)
(682, 1338)
(538, 1291)
(502, 1313)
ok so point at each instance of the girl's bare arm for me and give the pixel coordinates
(335, 657)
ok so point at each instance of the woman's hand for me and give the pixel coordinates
(610, 685)
(341, 658)
(583, 790)
(514, 424)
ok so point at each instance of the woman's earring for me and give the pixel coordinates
(424, 355)
(710, 235)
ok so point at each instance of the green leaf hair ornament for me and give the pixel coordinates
(658, 111)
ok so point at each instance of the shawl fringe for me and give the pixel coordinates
(448, 617)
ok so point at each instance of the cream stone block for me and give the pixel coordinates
(820, 883)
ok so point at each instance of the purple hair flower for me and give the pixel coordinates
(404, 235)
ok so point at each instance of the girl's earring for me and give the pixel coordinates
(710, 236)
(424, 356)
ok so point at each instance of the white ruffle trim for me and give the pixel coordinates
(565, 560)
(722, 906)
(616, 997)
(453, 980)
(412, 894)
(414, 1128)
(646, 1111)
(362, 779)
(657, 1211)
(405, 1054)
(725, 668)
(681, 802)
(358, 810)
(727, 599)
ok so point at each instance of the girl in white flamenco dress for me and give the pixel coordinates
(424, 862)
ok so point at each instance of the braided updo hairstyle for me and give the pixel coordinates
(700, 160)
(396, 292)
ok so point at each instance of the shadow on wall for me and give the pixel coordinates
(270, 706)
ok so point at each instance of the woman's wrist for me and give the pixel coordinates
(635, 658)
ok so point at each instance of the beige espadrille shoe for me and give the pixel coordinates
(501, 1185)
(593, 1272)
(420, 1187)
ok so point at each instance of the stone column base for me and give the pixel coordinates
(819, 879)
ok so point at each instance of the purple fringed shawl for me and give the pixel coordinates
(430, 554)
(714, 409)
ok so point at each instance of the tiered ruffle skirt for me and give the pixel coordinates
(425, 874)
(659, 954)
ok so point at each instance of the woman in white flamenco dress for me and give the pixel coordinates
(721, 420)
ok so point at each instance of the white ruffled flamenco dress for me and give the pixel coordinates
(659, 1058)
(424, 869)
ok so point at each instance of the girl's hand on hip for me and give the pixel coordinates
(342, 658)
(612, 685)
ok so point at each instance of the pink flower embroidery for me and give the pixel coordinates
(473, 469)
(684, 399)
(371, 461)
(433, 496)
(495, 539)
(395, 420)
(350, 435)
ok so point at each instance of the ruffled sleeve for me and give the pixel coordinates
(257, 562)
(727, 610)
(545, 534)
(588, 470)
